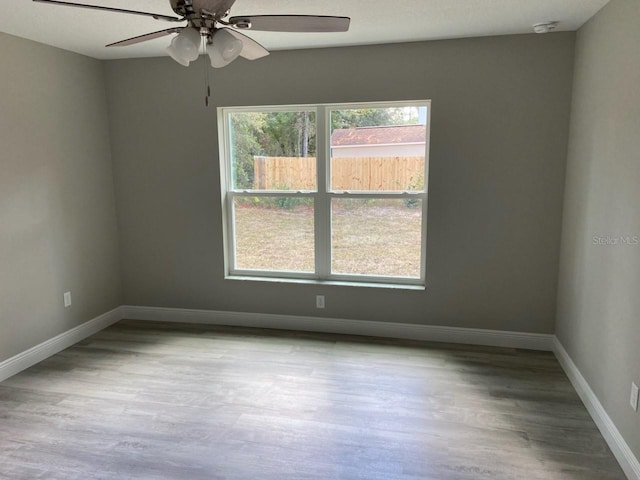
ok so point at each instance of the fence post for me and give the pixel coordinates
(259, 173)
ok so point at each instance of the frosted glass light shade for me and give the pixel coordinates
(185, 46)
(224, 49)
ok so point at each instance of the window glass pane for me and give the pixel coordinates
(376, 236)
(274, 233)
(378, 149)
(273, 150)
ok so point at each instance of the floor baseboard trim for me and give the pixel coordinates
(469, 336)
(611, 434)
(50, 347)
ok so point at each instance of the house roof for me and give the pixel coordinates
(384, 135)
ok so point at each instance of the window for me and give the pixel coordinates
(333, 193)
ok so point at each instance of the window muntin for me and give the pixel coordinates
(381, 222)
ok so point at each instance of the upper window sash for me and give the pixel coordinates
(323, 147)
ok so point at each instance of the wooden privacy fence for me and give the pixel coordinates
(347, 173)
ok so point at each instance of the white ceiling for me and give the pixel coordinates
(372, 21)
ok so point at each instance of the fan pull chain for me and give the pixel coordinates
(206, 72)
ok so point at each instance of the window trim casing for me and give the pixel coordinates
(322, 197)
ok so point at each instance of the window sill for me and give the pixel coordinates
(340, 283)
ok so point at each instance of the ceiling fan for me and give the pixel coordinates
(223, 42)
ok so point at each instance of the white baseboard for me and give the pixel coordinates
(469, 336)
(616, 442)
(52, 346)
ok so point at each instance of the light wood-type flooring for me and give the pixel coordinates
(143, 400)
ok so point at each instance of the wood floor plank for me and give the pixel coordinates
(158, 401)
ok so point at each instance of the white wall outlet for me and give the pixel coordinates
(319, 301)
(67, 299)
(634, 396)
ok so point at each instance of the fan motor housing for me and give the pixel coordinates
(188, 8)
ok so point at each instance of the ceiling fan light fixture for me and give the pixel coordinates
(224, 49)
(185, 47)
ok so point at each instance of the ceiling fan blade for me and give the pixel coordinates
(291, 23)
(251, 50)
(145, 37)
(157, 16)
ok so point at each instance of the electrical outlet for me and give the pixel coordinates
(67, 299)
(319, 301)
(634, 396)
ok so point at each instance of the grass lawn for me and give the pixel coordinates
(376, 238)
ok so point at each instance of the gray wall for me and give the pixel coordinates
(499, 134)
(598, 302)
(58, 227)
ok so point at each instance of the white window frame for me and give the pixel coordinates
(322, 197)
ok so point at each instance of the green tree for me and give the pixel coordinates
(371, 117)
(246, 130)
(289, 134)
